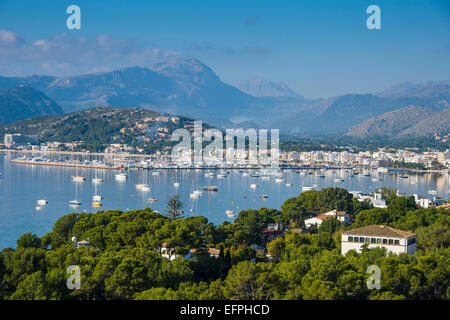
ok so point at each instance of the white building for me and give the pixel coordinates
(394, 240)
(378, 201)
(317, 220)
(340, 215)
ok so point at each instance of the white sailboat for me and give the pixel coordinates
(97, 180)
(76, 202)
(120, 176)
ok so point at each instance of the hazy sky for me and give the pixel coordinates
(318, 48)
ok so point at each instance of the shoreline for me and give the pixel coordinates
(79, 153)
(93, 166)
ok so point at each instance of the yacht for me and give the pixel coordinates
(229, 212)
(194, 195)
(96, 204)
(155, 173)
(146, 188)
(75, 203)
(264, 196)
(404, 176)
(253, 186)
(42, 202)
(279, 180)
(141, 185)
(433, 192)
(176, 184)
(210, 188)
(365, 174)
(151, 200)
(78, 178)
(97, 180)
(221, 175)
(288, 184)
(307, 188)
(96, 198)
(121, 177)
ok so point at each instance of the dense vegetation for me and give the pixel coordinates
(123, 259)
(97, 127)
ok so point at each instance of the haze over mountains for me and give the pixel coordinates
(188, 87)
(259, 87)
(23, 102)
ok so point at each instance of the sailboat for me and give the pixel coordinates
(76, 202)
(209, 187)
(121, 176)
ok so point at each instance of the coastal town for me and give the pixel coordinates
(127, 156)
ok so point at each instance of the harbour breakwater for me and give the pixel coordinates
(66, 164)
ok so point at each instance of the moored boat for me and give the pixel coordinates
(42, 202)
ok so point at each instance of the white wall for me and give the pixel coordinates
(400, 248)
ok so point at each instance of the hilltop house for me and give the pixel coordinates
(376, 198)
(394, 240)
(342, 216)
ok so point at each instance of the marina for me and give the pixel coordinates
(209, 196)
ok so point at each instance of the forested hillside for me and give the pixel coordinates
(123, 260)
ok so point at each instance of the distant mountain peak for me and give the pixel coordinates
(411, 89)
(259, 87)
(182, 67)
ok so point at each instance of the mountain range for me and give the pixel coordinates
(24, 102)
(188, 87)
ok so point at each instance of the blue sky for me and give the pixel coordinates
(318, 48)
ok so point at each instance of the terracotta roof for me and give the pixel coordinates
(340, 213)
(214, 251)
(381, 231)
(322, 216)
(444, 206)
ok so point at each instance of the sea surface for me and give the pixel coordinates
(22, 185)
